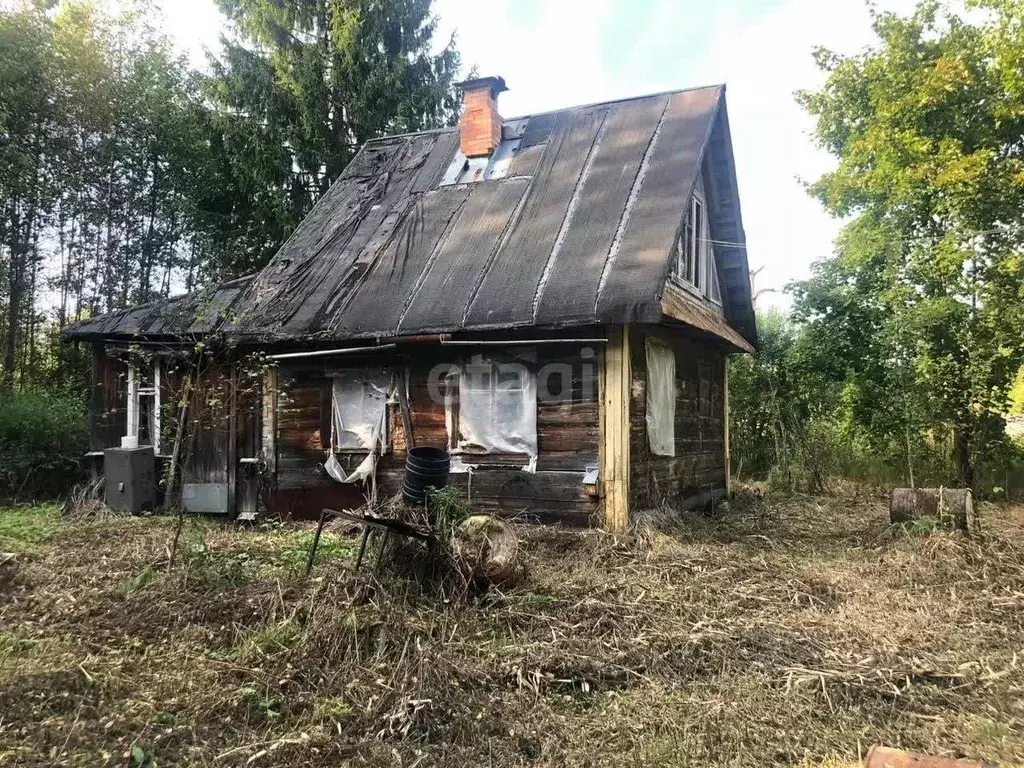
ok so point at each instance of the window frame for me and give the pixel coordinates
(714, 284)
(699, 248)
(364, 375)
(137, 390)
(695, 267)
(459, 392)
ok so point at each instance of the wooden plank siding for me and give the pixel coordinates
(567, 435)
(108, 414)
(698, 468)
(205, 457)
(248, 441)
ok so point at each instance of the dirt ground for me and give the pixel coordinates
(788, 631)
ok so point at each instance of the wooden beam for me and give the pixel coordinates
(403, 403)
(725, 436)
(614, 450)
(678, 306)
(269, 408)
(132, 420)
(157, 407)
(232, 446)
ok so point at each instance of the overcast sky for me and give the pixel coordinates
(556, 53)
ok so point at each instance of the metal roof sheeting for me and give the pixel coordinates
(191, 316)
(580, 231)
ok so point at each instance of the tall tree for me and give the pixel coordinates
(26, 189)
(301, 85)
(103, 165)
(928, 130)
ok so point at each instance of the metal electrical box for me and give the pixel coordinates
(205, 498)
(130, 478)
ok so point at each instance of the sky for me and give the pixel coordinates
(558, 53)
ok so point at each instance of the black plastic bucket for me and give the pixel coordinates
(425, 468)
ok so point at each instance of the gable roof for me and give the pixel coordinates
(580, 231)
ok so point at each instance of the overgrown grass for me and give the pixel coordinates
(24, 528)
(788, 631)
(331, 547)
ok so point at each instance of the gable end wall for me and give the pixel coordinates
(697, 471)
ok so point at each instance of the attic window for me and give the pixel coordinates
(695, 266)
(714, 289)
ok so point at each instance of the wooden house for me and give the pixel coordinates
(553, 298)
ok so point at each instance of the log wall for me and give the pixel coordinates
(567, 436)
(568, 432)
(698, 468)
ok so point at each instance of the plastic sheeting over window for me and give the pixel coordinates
(661, 398)
(359, 421)
(497, 410)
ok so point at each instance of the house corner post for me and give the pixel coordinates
(269, 414)
(725, 427)
(232, 446)
(615, 402)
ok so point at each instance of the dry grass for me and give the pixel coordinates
(786, 631)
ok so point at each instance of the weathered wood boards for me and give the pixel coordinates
(108, 411)
(726, 415)
(678, 306)
(697, 472)
(567, 435)
(592, 414)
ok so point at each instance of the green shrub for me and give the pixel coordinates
(1017, 395)
(42, 441)
(447, 507)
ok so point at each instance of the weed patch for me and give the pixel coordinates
(331, 547)
(137, 582)
(269, 641)
(26, 528)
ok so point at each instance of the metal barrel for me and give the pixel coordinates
(425, 468)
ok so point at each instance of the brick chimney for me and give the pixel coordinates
(480, 123)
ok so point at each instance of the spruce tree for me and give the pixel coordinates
(301, 84)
